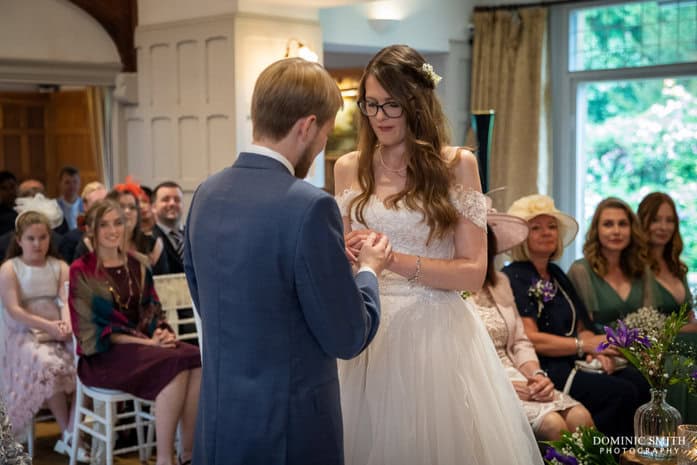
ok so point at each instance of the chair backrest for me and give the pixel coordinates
(173, 291)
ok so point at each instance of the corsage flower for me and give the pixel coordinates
(542, 291)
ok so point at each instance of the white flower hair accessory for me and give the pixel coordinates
(427, 69)
(48, 207)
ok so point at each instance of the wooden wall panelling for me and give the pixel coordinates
(70, 138)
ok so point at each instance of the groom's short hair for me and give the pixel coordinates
(288, 90)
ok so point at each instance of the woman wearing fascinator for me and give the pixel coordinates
(429, 389)
(548, 410)
(36, 349)
(557, 322)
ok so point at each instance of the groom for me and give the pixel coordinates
(264, 257)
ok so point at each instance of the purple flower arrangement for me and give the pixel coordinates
(658, 357)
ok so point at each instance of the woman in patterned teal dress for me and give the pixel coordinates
(659, 219)
(613, 279)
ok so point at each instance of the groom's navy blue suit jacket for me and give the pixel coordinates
(264, 256)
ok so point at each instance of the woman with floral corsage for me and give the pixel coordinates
(36, 350)
(557, 323)
(124, 342)
(429, 389)
(549, 411)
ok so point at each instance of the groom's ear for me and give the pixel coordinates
(304, 127)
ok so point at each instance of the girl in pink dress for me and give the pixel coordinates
(36, 352)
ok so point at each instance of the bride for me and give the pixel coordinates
(430, 389)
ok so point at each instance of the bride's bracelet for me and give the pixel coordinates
(415, 278)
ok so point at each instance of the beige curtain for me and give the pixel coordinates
(99, 132)
(509, 77)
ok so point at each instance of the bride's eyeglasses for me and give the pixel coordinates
(389, 109)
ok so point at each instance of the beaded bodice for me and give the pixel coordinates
(407, 230)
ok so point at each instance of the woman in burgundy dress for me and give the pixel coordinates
(123, 340)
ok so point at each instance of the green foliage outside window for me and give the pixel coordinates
(640, 136)
(655, 149)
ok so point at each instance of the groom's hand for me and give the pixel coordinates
(354, 241)
(375, 253)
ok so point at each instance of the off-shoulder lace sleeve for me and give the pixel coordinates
(344, 199)
(470, 204)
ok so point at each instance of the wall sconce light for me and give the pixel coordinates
(384, 15)
(381, 25)
(295, 48)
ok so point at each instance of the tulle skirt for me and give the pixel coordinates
(430, 389)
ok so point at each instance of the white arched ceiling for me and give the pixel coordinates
(55, 31)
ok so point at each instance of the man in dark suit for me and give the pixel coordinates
(167, 206)
(264, 256)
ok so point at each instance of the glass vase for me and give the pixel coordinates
(687, 449)
(655, 427)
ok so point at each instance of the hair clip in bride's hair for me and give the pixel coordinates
(427, 70)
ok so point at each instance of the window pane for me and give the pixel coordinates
(636, 137)
(633, 35)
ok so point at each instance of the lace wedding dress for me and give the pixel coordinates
(429, 389)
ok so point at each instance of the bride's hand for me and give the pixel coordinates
(354, 241)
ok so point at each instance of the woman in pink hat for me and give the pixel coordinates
(548, 410)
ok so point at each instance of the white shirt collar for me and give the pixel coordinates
(166, 229)
(267, 152)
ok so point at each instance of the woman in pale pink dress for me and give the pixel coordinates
(36, 354)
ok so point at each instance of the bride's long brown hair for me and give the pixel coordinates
(399, 70)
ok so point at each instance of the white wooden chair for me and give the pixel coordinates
(173, 291)
(96, 414)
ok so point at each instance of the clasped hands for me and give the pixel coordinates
(59, 330)
(365, 247)
(537, 388)
(162, 337)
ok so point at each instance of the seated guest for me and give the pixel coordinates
(57, 221)
(612, 278)
(557, 322)
(148, 247)
(167, 207)
(659, 220)
(75, 244)
(30, 187)
(147, 217)
(123, 341)
(36, 351)
(549, 411)
(69, 199)
(8, 194)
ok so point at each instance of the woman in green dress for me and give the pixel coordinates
(613, 279)
(659, 219)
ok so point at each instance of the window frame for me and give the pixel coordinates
(567, 188)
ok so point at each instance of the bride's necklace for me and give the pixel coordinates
(400, 171)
